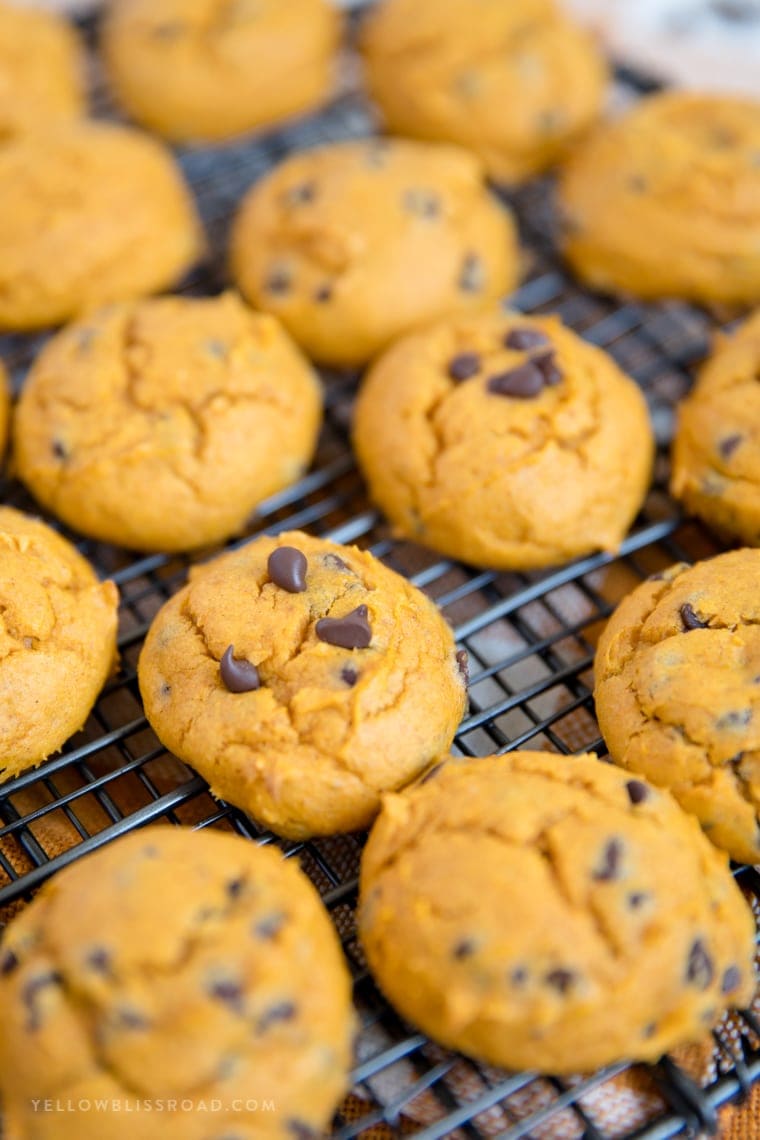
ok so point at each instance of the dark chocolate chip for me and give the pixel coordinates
(699, 968)
(690, 619)
(283, 1011)
(463, 665)
(59, 449)
(560, 980)
(228, 992)
(731, 979)
(465, 948)
(609, 865)
(638, 792)
(323, 294)
(99, 960)
(431, 773)
(278, 280)
(649, 1030)
(728, 445)
(352, 631)
(463, 366)
(472, 276)
(235, 888)
(129, 1018)
(300, 1131)
(637, 899)
(518, 977)
(8, 962)
(336, 562)
(301, 194)
(238, 675)
(736, 718)
(349, 675)
(166, 689)
(523, 338)
(30, 992)
(522, 382)
(423, 203)
(287, 568)
(547, 365)
(270, 926)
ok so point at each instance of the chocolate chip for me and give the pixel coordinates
(336, 562)
(8, 962)
(283, 1011)
(465, 948)
(690, 619)
(638, 792)
(560, 980)
(352, 631)
(166, 689)
(736, 718)
(731, 979)
(270, 926)
(129, 1018)
(463, 665)
(238, 675)
(30, 992)
(523, 338)
(699, 968)
(431, 773)
(229, 993)
(518, 977)
(728, 445)
(287, 568)
(423, 203)
(216, 348)
(609, 866)
(301, 194)
(234, 888)
(522, 382)
(472, 276)
(349, 675)
(99, 960)
(637, 899)
(547, 365)
(59, 449)
(323, 294)
(278, 280)
(463, 366)
(649, 1030)
(300, 1131)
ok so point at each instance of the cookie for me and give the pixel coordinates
(716, 447)
(5, 408)
(679, 173)
(549, 913)
(352, 244)
(516, 83)
(302, 679)
(57, 640)
(677, 693)
(160, 424)
(203, 70)
(201, 985)
(41, 71)
(504, 440)
(89, 213)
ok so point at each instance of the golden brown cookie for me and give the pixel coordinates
(716, 448)
(41, 71)
(548, 912)
(516, 83)
(160, 424)
(302, 679)
(665, 202)
(504, 440)
(177, 985)
(89, 213)
(678, 692)
(57, 640)
(206, 69)
(355, 243)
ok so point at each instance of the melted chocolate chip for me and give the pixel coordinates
(463, 665)
(609, 865)
(8, 962)
(472, 276)
(228, 992)
(300, 1131)
(278, 280)
(270, 926)
(431, 773)
(287, 568)
(731, 979)
(59, 449)
(560, 980)
(518, 977)
(524, 338)
(31, 991)
(649, 1030)
(238, 675)
(465, 948)
(463, 366)
(352, 631)
(638, 792)
(323, 294)
(283, 1011)
(423, 203)
(699, 967)
(129, 1018)
(547, 365)
(349, 675)
(690, 619)
(234, 888)
(728, 445)
(736, 718)
(336, 562)
(99, 960)
(637, 899)
(166, 689)
(522, 382)
(301, 194)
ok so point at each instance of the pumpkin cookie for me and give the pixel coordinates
(354, 243)
(41, 71)
(302, 679)
(716, 448)
(203, 69)
(678, 692)
(89, 213)
(546, 912)
(201, 973)
(504, 440)
(665, 202)
(57, 640)
(516, 83)
(160, 424)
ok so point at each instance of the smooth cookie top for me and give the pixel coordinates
(354, 243)
(199, 966)
(516, 83)
(89, 214)
(716, 447)
(504, 440)
(57, 640)
(679, 173)
(302, 679)
(162, 423)
(547, 912)
(678, 692)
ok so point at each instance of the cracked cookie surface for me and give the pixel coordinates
(159, 425)
(548, 912)
(301, 706)
(515, 83)
(89, 213)
(201, 967)
(352, 244)
(716, 446)
(678, 173)
(504, 440)
(677, 688)
(57, 640)
(208, 69)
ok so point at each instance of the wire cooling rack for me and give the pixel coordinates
(530, 639)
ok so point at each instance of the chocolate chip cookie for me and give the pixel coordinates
(504, 440)
(302, 679)
(160, 424)
(201, 977)
(678, 692)
(549, 912)
(354, 243)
